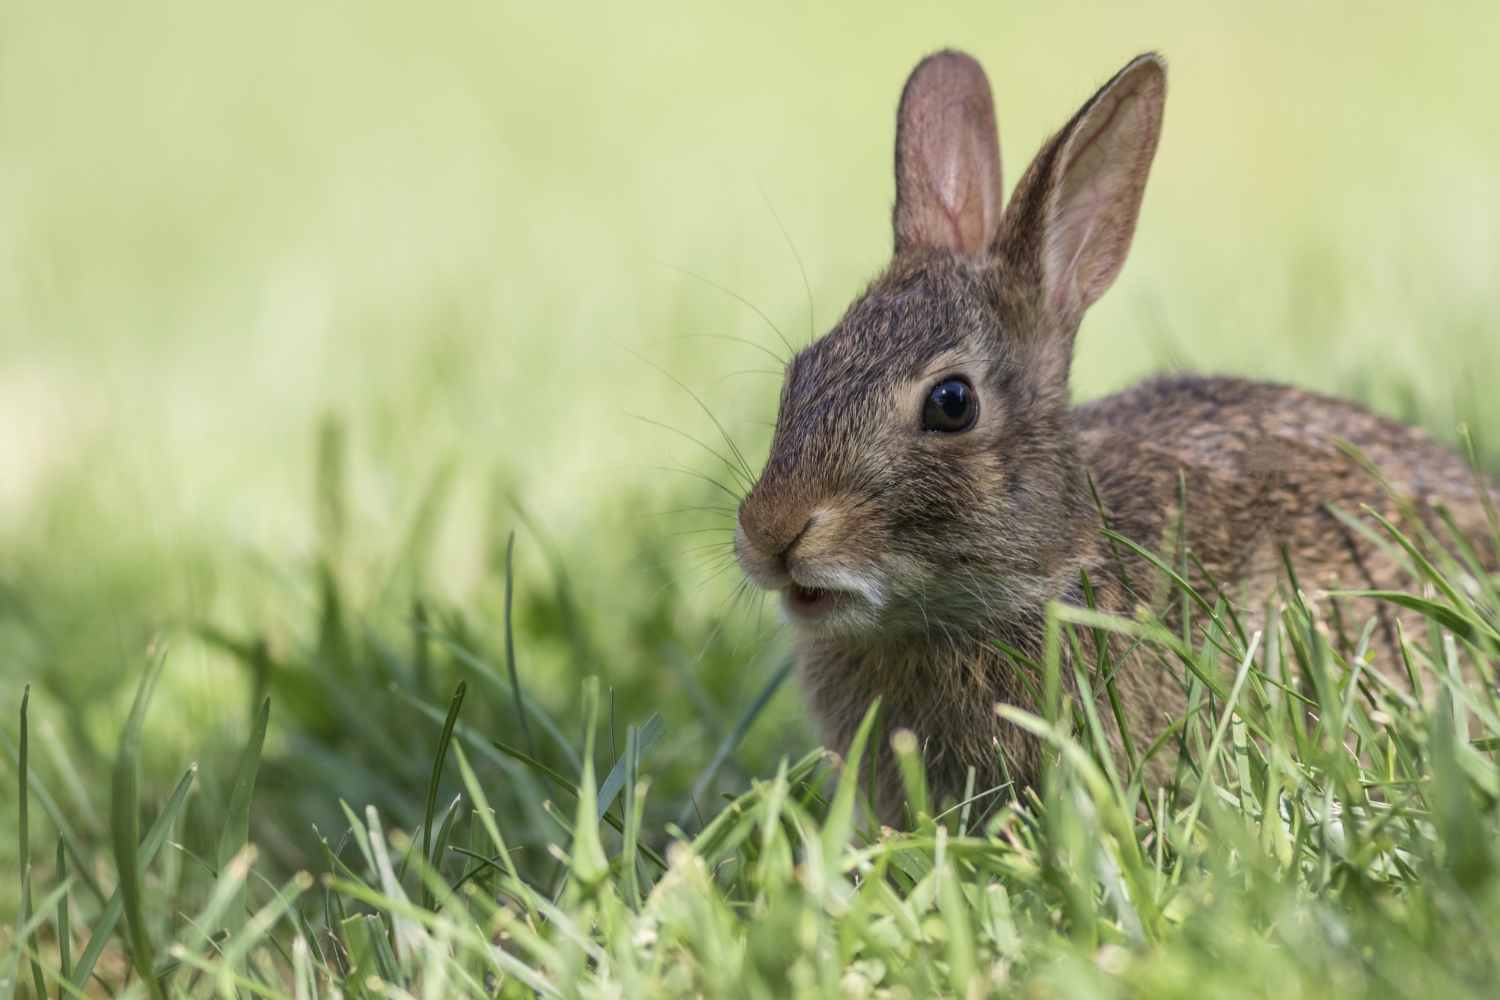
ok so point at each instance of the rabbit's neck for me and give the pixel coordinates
(944, 686)
(944, 693)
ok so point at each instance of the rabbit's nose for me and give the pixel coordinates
(766, 544)
(783, 557)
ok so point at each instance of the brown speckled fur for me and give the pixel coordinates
(937, 543)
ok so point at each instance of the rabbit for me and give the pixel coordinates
(930, 486)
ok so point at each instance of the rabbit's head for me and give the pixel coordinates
(925, 476)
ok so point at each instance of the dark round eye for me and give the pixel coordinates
(951, 407)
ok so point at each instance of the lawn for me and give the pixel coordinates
(369, 361)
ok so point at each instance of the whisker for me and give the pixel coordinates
(679, 431)
(729, 512)
(734, 295)
(725, 336)
(686, 471)
(806, 285)
(748, 371)
(733, 448)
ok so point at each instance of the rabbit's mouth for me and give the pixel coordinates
(810, 604)
(830, 602)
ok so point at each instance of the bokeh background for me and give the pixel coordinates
(305, 308)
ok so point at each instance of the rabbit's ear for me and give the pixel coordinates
(947, 158)
(1073, 214)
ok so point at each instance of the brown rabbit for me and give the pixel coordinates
(928, 486)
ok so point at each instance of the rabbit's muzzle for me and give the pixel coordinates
(828, 583)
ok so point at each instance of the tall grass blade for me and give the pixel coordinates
(486, 816)
(589, 864)
(631, 871)
(913, 776)
(840, 820)
(236, 831)
(75, 847)
(124, 828)
(1466, 627)
(156, 836)
(445, 738)
(24, 841)
(510, 647)
(64, 919)
(732, 739)
(646, 738)
(483, 669)
(440, 846)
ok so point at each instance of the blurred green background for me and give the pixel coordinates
(443, 246)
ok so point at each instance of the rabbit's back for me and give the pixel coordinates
(1257, 467)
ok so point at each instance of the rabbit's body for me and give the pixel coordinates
(931, 489)
(1260, 466)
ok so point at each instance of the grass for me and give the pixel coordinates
(1326, 832)
(323, 339)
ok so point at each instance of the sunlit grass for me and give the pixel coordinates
(1326, 831)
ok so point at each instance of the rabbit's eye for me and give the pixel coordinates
(951, 407)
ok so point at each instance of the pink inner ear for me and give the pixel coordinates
(1101, 181)
(956, 176)
(947, 158)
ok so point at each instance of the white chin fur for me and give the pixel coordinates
(851, 616)
(856, 604)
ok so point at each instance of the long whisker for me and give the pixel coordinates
(734, 448)
(684, 470)
(728, 512)
(724, 336)
(682, 433)
(806, 285)
(651, 546)
(734, 295)
(748, 371)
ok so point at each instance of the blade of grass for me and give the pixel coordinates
(124, 826)
(24, 842)
(1104, 666)
(646, 737)
(156, 836)
(359, 944)
(589, 867)
(445, 738)
(25, 931)
(1190, 823)
(1173, 575)
(913, 776)
(732, 740)
(510, 647)
(49, 806)
(39, 981)
(1466, 628)
(546, 772)
(440, 846)
(631, 870)
(64, 923)
(483, 669)
(486, 816)
(236, 831)
(840, 818)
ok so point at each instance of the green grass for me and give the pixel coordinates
(1326, 832)
(306, 314)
